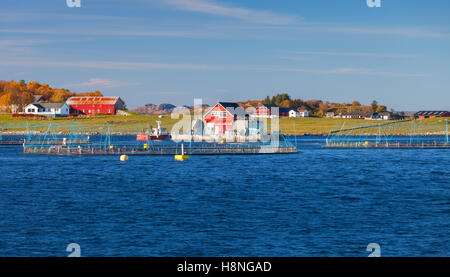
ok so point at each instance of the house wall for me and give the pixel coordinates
(93, 109)
(262, 111)
(63, 111)
(218, 120)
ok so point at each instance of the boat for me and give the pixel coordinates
(156, 134)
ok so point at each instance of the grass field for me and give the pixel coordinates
(134, 123)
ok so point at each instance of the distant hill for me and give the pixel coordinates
(153, 109)
(249, 103)
(165, 108)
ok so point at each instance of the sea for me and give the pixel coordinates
(318, 202)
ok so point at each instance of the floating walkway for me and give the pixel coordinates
(362, 136)
(158, 150)
(391, 145)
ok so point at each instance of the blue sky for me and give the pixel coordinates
(170, 51)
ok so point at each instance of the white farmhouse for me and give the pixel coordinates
(47, 109)
(292, 113)
(298, 113)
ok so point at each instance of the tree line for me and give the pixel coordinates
(16, 95)
(321, 108)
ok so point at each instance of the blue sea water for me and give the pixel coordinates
(319, 202)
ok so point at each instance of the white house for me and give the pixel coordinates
(303, 113)
(300, 113)
(47, 109)
(380, 116)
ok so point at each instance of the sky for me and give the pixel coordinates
(172, 51)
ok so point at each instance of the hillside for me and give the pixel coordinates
(152, 109)
(15, 95)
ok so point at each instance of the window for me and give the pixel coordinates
(223, 114)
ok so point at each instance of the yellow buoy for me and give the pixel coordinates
(181, 157)
(123, 158)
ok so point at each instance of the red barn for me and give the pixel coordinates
(95, 105)
(431, 114)
(221, 117)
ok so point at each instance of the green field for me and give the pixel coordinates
(134, 123)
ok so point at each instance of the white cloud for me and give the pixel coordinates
(215, 8)
(95, 83)
(412, 32)
(112, 65)
(24, 42)
(355, 54)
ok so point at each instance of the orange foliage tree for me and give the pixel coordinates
(16, 95)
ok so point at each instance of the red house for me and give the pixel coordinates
(95, 105)
(221, 117)
(265, 110)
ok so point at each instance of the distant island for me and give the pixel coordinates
(15, 95)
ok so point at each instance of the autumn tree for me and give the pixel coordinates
(59, 96)
(374, 106)
(286, 104)
(279, 98)
(297, 103)
(5, 102)
(381, 109)
(323, 108)
(33, 86)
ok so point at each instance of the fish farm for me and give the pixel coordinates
(42, 134)
(386, 135)
(49, 140)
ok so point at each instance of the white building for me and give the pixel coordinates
(47, 109)
(300, 113)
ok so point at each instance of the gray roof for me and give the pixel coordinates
(48, 106)
(431, 113)
(270, 106)
(360, 113)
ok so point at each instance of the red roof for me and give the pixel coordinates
(92, 100)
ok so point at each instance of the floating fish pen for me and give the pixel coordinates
(38, 134)
(391, 136)
(194, 148)
(108, 144)
(10, 139)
